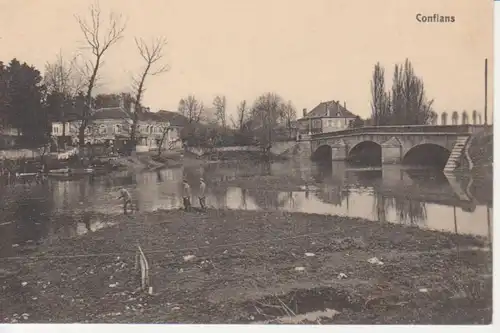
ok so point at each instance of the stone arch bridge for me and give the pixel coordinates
(397, 143)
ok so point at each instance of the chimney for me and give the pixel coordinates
(345, 106)
(122, 102)
(304, 112)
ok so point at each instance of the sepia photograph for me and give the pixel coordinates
(265, 162)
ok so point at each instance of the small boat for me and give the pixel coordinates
(27, 174)
(69, 171)
(59, 171)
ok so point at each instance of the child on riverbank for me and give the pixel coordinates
(186, 195)
(127, 199)
(201, 195)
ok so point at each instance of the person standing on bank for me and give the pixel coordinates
(201, 195)
(186, 195)
(127, 199)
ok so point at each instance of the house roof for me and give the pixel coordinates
(331, 109)
(175, 118)
(111, 113)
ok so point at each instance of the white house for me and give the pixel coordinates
(325, 117)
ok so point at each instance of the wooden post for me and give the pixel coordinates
(489, 225)
(455, 218)
(486, 91)
(143, 262)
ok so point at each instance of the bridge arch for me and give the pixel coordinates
(322, 153)
(427, 154)
(365, 153)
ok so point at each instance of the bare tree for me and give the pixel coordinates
(265, 116)
(164, 132)
(220, 110)
(241, 116)
(410, 105)
(62, 77)
(288, 115)
(63, 83)
(151, 54)
(98, 39)
(191, 108)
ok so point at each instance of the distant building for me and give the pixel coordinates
(112, 126)
(324, 118)
(8, 137)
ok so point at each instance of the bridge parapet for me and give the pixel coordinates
(417, 129)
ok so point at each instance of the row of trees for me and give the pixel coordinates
(30, 101)
(269, 118)
(405, 103)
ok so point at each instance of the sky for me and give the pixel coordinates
(306, 51)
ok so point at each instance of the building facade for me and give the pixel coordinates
(324, 118)
(112, 126)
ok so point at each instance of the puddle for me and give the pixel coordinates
(303, 305)
(298, 319)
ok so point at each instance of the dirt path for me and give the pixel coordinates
(248, 267)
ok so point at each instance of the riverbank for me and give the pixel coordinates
(249, 267)
(481, 153)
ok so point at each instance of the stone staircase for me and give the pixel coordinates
(456, 153)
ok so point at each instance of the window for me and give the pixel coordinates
(102, 129)
(118, 129)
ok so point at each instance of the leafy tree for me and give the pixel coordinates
(4, 96)
(21, 102)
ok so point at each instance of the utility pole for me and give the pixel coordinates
(486, 91)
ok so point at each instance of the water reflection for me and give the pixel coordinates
(395, 194)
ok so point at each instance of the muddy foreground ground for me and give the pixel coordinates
(251, 267)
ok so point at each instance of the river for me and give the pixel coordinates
(419, 197)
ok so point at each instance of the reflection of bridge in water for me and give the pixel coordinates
(422, 185)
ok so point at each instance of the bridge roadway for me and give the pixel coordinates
(396, 142)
